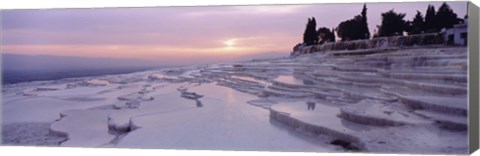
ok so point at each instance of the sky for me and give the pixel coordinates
(181, 35)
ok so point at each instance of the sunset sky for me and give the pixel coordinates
(181, 35)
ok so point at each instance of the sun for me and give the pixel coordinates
(229, 43)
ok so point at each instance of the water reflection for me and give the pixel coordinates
(293, 80)
(199, 103)
(354, 126)
(311, 105)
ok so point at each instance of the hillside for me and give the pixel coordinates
(391, 100)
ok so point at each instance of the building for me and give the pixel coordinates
(457, 35)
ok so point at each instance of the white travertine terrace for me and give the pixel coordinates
(399, 100)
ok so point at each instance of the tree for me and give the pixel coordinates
(354, 29)
(313, 31)
(392, 24)
(325, 35)
(333, 33)
(364, 24)
(348, 30)
(305, 33)
(430, 20)
(310, 34)
(447, 16)
(416, 26)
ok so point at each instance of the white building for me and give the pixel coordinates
(457, 35)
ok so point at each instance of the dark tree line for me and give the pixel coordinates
(312, 36)
(325, 35)
(356, 28)
(417, 25)
(434, 21)
(392, 24)
(430, 20)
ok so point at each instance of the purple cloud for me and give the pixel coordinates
(274, 28)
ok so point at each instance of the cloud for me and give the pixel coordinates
(248, 10)
(187, 33)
